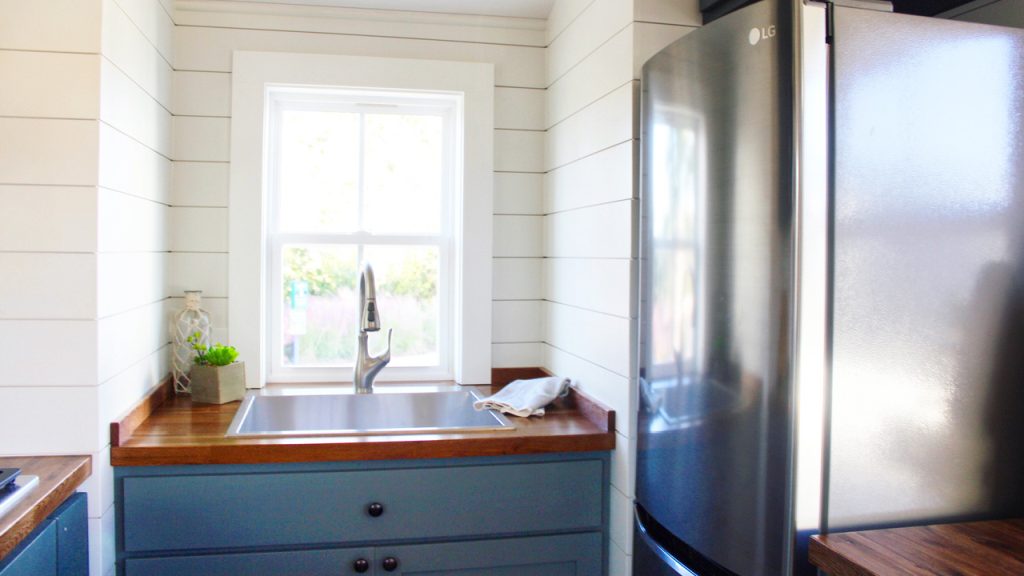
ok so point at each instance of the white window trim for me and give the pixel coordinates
(252, 72)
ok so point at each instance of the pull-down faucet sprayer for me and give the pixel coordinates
(367, 366)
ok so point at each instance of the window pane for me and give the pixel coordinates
(407, 279)
(321, 304)
(320, 315)
(403, 173)
(318, 178)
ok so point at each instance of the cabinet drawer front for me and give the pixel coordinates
(560, 555)
(305, 562)
(289, 508)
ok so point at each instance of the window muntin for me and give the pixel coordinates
(359, 176)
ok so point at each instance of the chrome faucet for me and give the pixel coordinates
(367, 366)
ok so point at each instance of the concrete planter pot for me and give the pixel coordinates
(218, 384)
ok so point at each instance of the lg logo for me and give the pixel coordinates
(758, 34)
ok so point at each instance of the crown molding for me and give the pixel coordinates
(231, 14)
(343, 13)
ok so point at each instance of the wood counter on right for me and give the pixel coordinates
(993, 548)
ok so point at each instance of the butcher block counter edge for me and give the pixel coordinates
(164, 429)
(990, 548)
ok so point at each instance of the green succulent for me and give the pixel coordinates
(216, 355)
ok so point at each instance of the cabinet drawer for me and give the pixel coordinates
(314, 508)
(304, 562)
(560, 555)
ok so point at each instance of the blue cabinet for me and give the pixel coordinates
(59, 546)
(526, 515)
(36, 556)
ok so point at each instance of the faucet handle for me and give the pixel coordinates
(386, 356)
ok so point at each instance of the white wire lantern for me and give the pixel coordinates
(191, 320)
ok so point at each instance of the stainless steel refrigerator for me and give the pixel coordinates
(832, 283)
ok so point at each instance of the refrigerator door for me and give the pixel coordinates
(716, 320)
(929, 271)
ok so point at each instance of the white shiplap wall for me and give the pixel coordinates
(205, 37)
(84, 185)
(133, 216)
(596, 48)
(49, 145)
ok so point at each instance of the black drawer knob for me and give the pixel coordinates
(361, 565)
(390, 564)
(375, 509)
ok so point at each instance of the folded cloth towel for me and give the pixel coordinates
(525, 397)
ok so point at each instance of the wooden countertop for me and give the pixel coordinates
(169, 430)
(59, 477)
(994, 548)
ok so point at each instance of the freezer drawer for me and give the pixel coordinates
(650, 559)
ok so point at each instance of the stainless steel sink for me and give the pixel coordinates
(350, 414)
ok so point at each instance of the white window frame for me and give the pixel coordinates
(471, 211)
(449, 107)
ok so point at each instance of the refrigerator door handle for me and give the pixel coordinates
(669, 560)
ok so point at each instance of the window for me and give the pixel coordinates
(298, 226)
(359, 176)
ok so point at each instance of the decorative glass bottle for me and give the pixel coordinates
(190, 320)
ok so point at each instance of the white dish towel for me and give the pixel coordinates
(525, 397)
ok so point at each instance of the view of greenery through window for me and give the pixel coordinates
(321, 288)
(352, 186)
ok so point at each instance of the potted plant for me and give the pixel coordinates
(215, 377)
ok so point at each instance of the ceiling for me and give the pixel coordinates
(541, 8)
(714, 9)
(926, 7)
(514, 8)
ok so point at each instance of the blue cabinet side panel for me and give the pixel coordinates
(72, 524)
(36, 556)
